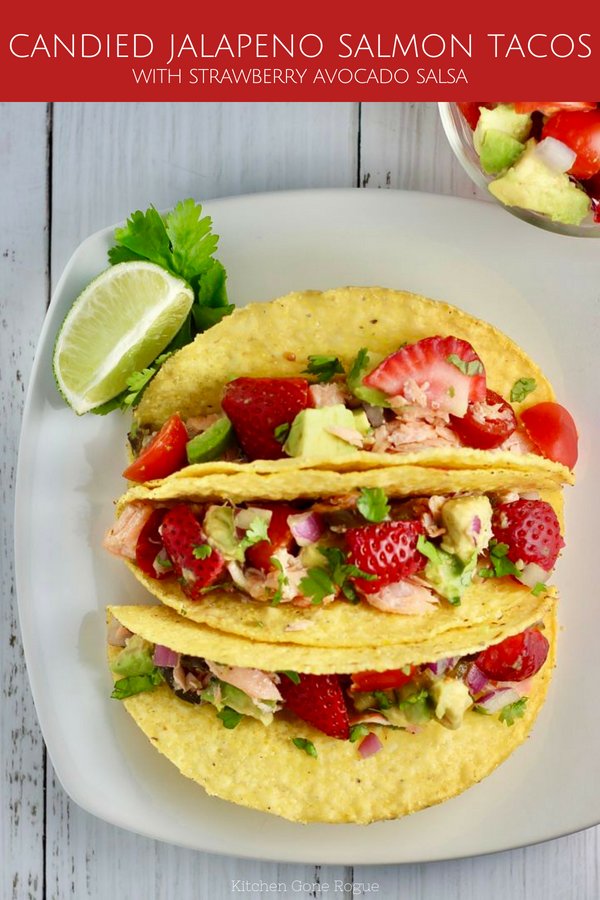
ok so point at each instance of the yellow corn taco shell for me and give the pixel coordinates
(410, 773)
(275, 339)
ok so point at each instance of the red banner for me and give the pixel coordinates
(311, 51)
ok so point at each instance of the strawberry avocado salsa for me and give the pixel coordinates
(431, 393)
(494, 682)
(400, 556)
(544, 156)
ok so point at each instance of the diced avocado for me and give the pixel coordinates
(502, 118)
(362, 366)
(468, 524)
(447, 574)
(219, 528)
(212, 443)
(361, 421)
(415, 705)
(309, 435)
(363, 701)
(135, 658)
(531, 184)
(452, 700)
(222, 694)
(498, 151)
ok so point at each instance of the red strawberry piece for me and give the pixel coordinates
(447, 369)
(280, 537)
(388, 550)
(257, 406)
(318, 700)
(531, 530)
(184, 539)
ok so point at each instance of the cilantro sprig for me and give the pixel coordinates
(201, 551)
(257, 531)
(306, 745)
(372, 504)
(513, 711)
(282, 581)
(321, 582)
(522, 388)
(501, 564)
(323, 367)
(230, 717)
(136, 684)
(474, 367)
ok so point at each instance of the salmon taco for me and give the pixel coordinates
(350, 379)
(345, 744)
(344, 559)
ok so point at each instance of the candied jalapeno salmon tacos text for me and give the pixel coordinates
(392, 742)
(357, 569)
(352, 378)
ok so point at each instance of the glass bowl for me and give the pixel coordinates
(460, 137)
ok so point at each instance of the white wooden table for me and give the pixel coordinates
(67, 170)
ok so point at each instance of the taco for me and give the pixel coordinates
(350, 379)
(334, 560)
(352, 745)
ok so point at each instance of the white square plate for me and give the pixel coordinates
(543, 290)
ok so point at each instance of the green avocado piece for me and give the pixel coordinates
(452, 699)
(498, 151)
(309, 435)
(219, 527)
(212, 443)
(361, 421)
(446, 573)
(362, 366)
(468, 524)
(502, 118)
(135, 658)
(236, 699)
(531, 184)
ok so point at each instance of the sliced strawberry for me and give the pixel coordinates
(280, 537)
(388, 550)
(184, 539)
(447, 370)
(531, 530)
(257, 406)
(318, 700)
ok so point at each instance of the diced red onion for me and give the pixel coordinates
(532, 574)
(370, 745)
(476, 525)
(245, 517)
(306, 527)
(164, 656)
(555, 154)
(494, 701)
(374, 415)
(442, 665)
(476, 681)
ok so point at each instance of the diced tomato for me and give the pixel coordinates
(486, 425)
(516, 658)
(149, 546)
(164, 454)
(548, 107)
(280, 537)
(471, 112)
(551, 427)
(581, 132)
(381, 681)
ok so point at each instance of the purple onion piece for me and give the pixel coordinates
(164, 656)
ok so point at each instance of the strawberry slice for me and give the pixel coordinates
(388, 550)
(447, 370)
(280, 537)
(531, 530)
(318, 700)
(257, 406)
(195, 562)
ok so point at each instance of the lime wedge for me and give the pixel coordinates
(117, 326)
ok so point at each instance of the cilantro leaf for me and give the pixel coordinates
(136, 385)
(257, 531)
(474, 367)
(382, 699)
(201, 551)
(428, 549)
(306, 745)
(359, 365)
(282, 581)
(136, 684)
(358, 731)
(230, 717)
(317, 584)
(146, 235)
(192, 244)
(119, 254)
(324, 367)
(293, 676)
(372, 504)
(501, 564)
(539, 588)
(522, 388)
(513, 711)
(281, 432)
(322, 582)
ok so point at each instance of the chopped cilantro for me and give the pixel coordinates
(382, 699)
(417, 697)
(324, 367)
(502, 565)
(136, 684)
(257, 531)
(428, 549)
(306, 745)
(230, 717)
(136, 385)
(522, 388)
(538, 589)
(282, 581)
(317, 584)
(201, 551)
(372, 504)
(322, 582)
(163, 563)
(293, 676)
(513, 711)
(281, 432)
(358, 731)
(359, 365)
(474, 367)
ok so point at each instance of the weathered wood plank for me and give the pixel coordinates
(23, 255)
